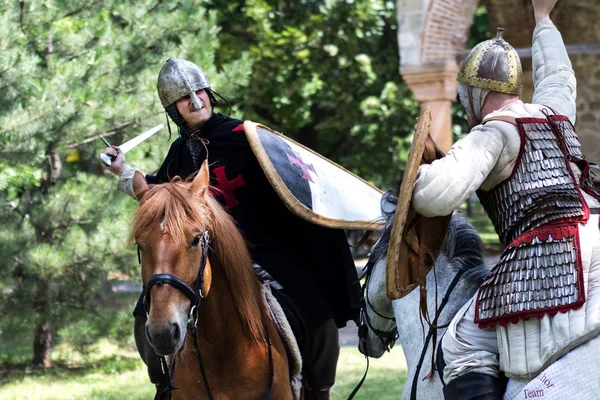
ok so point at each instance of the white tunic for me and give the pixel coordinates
(483, 159)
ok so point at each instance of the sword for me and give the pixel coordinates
(130, 144)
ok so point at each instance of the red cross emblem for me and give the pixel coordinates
(226, 187)
(304, 167)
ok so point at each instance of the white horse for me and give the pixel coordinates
(458, 272)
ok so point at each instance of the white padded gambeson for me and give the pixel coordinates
(483, 159)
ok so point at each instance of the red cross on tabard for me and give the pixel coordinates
(226, 187)
(304, 167)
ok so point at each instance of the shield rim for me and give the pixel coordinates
(409, 177)
(284, 193)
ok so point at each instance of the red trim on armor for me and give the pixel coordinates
(561, 142)
(542, 233)
(559, 117)
(585, 174)
(582, 163)
(238, 128)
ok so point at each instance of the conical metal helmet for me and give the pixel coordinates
(179, 78)
(493, 65)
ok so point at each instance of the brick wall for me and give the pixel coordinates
(431, 32)
(587, 71)
(446, 27)
(576, 20)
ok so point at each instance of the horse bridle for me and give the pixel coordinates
(196, 293)
(388, 339)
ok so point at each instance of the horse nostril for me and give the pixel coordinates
(176, 332)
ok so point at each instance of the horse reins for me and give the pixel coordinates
(432, 333)
(195, 294)
(388, 339)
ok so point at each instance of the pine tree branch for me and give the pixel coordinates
(110, 132)
(47, 112)
(67, 15)
(30, 42)
(154, 7)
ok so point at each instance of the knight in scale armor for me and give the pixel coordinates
(524, 162)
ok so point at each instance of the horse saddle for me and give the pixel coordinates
(292, 331)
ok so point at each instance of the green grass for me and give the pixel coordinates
(112, 372)
(385, 380)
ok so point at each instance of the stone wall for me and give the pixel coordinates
(432, 32)
(587, 71)
(577, 22)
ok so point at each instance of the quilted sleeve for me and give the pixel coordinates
(554, 81)
(442, 186)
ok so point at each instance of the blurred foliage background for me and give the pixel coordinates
(323, 72)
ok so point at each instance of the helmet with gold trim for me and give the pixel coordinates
(493, 65)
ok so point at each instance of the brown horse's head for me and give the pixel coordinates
(168, 228)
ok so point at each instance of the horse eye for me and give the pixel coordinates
(196, 241)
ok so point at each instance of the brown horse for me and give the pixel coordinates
(193, 255)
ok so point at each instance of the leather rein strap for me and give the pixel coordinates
(432, 333)
(387, 338)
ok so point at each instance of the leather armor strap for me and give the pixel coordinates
(503, 118)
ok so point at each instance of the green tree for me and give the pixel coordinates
(326, 74)
(71, 70)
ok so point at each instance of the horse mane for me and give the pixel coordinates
(174, 206)
(462, 245)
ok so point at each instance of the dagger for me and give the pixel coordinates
(130, 144)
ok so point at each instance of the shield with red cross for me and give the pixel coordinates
(312, 186)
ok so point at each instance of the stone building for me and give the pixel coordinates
(432, 39)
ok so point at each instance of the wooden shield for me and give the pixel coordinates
(415, 240)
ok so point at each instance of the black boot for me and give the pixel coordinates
(310, 394)
(476, 386)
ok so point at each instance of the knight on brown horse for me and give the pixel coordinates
(321, 282)
(196, 269)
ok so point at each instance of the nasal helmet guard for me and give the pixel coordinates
(180, 78)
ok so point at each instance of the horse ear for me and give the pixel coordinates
(140, 186)
(201, 181)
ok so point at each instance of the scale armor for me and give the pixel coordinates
(535, 213)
